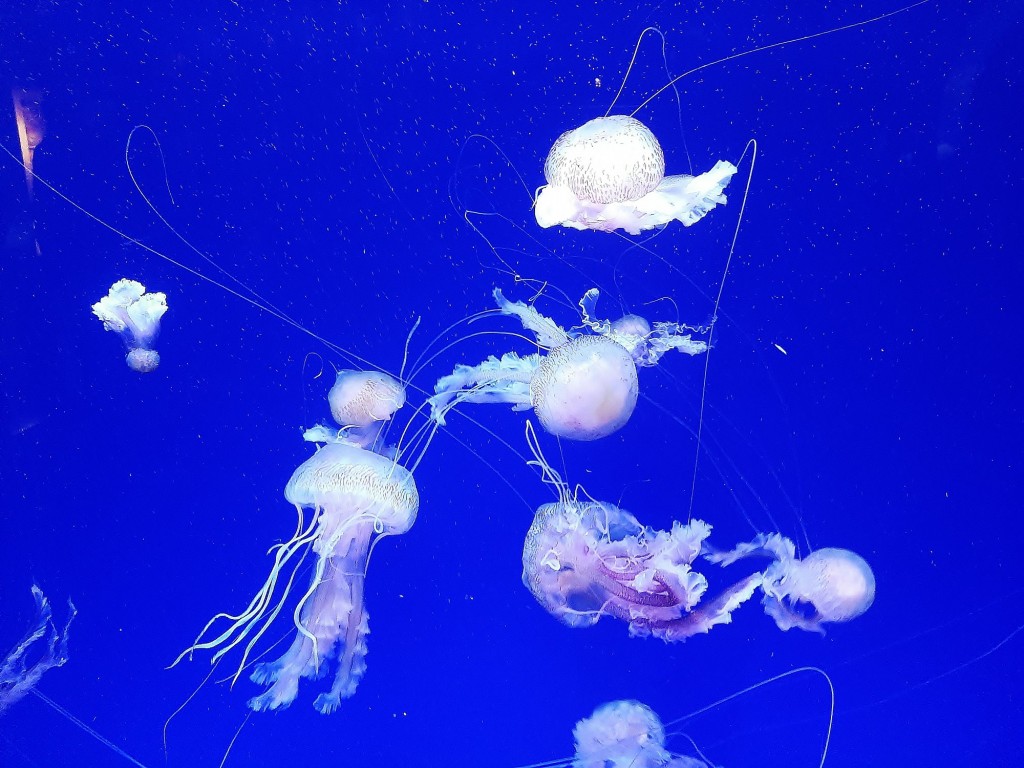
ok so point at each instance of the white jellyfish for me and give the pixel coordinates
(135, 316)
(609, 174)
(828, 585)
(625, 734)
(585, 387)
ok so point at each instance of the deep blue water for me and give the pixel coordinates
(325, 158)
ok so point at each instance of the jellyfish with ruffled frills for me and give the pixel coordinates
(585, 385)
(609, 174)
(585, 559)
(134, 315)
(356, 493)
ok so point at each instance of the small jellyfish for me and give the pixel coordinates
(625, 734)
(357, 496)
(135, 316)
(585, 387)
(17, 677)
(829, 585)
(609, 174)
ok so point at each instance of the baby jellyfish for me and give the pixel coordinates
(135, 316)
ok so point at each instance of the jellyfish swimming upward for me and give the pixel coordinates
(356, 495)
(585, 559)
(585, 386)
(135, 316)
(609, 174)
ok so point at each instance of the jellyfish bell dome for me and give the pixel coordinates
(360, 398)
(143, 360)
(837, 583)
(607, 160)
(340, 476)
(585, 389)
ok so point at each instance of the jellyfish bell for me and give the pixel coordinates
(609, 174)
(585, 389)
(838, 584)
(361, 398)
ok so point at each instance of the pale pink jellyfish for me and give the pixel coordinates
(625, 734)
(585, 559)
(135, 316)
(357, 496)
(609, 174)
(585, 387)
(829, 585)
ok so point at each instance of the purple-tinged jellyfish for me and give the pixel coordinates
(17, 676)
(357, 495)
(625, 734)
(829, 585)
(135, 316)
(585, 387)
(586, 559)
(609, 174)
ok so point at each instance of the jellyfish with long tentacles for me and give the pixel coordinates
(135, 316)
(357, 496)
(609, 174)
(585, 387)
(18, 677)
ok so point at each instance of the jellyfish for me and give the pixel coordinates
(135, 316)
(625, 734)
(357, 495)
(609, 174)
(828, 585)
(585, 559)
(585, 387)
(17, 676)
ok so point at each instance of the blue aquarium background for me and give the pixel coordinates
(864, 386)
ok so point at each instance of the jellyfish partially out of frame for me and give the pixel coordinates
(357, 495)
(625, 734)
(585, 559)
(585, 386)
(609, 174)
(135, 316)
(25, 665)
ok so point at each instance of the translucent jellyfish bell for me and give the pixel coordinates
(585, 389)
(135, 316)
(360, 398)
(609, 174)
